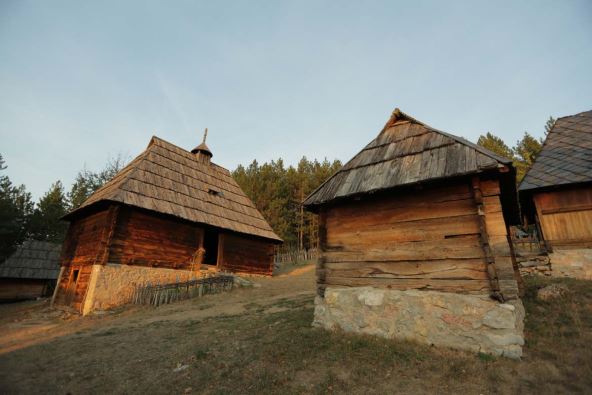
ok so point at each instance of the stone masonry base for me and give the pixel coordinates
(575, 263)
(112, 285)
(466, 322)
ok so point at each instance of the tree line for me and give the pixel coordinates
(277, 191)
(21, 218)
(522, 154)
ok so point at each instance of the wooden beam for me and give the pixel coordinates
(489, 257)
(320, 267)
(108, 234)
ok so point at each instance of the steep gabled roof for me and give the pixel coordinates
(566, 156)
(170, 180)
(405, 152)
(33, 259)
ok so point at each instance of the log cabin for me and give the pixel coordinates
(165, 217)
(30, 272)
(413, 238)
(556, 196)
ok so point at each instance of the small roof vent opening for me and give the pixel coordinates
(215, 192)
(202, 152)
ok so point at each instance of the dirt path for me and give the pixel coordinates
(30, 323)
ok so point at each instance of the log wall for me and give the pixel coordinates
(142, 238)
(566, 217)
(244, 254)
(429, 239)
(128, 236)
(83, 240)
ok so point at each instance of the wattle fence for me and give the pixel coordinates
(157, 295)
(295, 255)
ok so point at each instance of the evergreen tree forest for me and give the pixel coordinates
(522, 154)
(277, 192)
(21, 218)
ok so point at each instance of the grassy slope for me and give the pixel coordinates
(273, 349)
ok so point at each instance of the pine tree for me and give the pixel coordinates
(525, 152)
(496, 145)
(88, 182)
(16, 207)
(549, 125)
(278, 191)
(46, 223)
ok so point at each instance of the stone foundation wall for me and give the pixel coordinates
(538, 264)
(112, 285)
(467, 322)
(575, 263)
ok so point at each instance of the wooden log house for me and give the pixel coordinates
(167, 215)
(418, 214)
(556, 195)
(30, 271)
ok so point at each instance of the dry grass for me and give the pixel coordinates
(271, 348)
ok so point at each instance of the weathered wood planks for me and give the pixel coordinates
(425, 239)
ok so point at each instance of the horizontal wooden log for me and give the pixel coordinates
(452, 248)
(389, 213)
(420, 230)
(458, 286)
(443, 269)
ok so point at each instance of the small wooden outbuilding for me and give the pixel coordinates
(414, 241)
(556, 195)
(166, 215)
(30, 272)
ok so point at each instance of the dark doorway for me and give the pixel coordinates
(210, 244)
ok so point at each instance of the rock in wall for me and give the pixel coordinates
(468, 322)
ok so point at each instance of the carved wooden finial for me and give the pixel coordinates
(205, 136)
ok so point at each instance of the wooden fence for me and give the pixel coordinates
(157, 295)
(295, 255)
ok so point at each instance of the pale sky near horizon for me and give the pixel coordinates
(81, 82)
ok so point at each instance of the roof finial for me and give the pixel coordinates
(205, 135)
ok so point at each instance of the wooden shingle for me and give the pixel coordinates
(566, 156)
(170, 180)
(405, 152)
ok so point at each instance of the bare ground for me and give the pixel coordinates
(259, 340)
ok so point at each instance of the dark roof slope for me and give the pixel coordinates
(33, 260)
(566, 157)
(406, 152)
(170, 180)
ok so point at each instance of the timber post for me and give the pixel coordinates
(320, 267)
(484, 236)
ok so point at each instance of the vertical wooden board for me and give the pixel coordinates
(500, 246)
(490, 187)
(496, 226)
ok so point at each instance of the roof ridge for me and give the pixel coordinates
(154, 137)
(353, 167)
(168, 179)
(398, 114)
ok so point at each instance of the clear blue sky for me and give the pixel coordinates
(82, 81)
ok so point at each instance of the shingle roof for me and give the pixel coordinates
(566, 156)
(405, 152)
(170, 180)
(33, 260)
